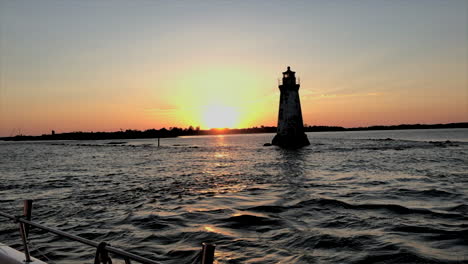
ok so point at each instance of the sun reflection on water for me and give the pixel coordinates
(213, 229)
(220, 154)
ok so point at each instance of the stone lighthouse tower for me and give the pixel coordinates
(290, 132)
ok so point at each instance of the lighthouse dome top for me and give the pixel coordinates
(288, 73)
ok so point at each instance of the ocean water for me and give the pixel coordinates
(349, 197)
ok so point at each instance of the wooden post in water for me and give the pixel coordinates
(158, 142)
(207, 253)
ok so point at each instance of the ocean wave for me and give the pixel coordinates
(246, 221)
(323, 203)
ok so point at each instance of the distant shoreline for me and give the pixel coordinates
(176, 132)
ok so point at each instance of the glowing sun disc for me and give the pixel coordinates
(220, 116)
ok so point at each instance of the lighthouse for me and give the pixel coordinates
(290, 133)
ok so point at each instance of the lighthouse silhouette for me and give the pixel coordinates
(290, 133)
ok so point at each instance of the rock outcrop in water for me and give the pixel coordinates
(290, 133)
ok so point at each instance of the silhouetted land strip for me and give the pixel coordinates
(176, 132)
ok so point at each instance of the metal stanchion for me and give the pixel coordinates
(25, 242)
(27, 212)
(207, 253)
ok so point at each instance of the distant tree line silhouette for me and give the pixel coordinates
(191, 131)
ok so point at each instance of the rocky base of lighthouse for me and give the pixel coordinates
(297, 141)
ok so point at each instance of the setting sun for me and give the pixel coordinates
(217, 116)
(213, 66)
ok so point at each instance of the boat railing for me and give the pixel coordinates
(205, 256)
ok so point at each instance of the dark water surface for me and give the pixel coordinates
(350, 197)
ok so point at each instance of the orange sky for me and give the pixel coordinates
(99, 66)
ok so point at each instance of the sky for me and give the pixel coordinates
(109, 65)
